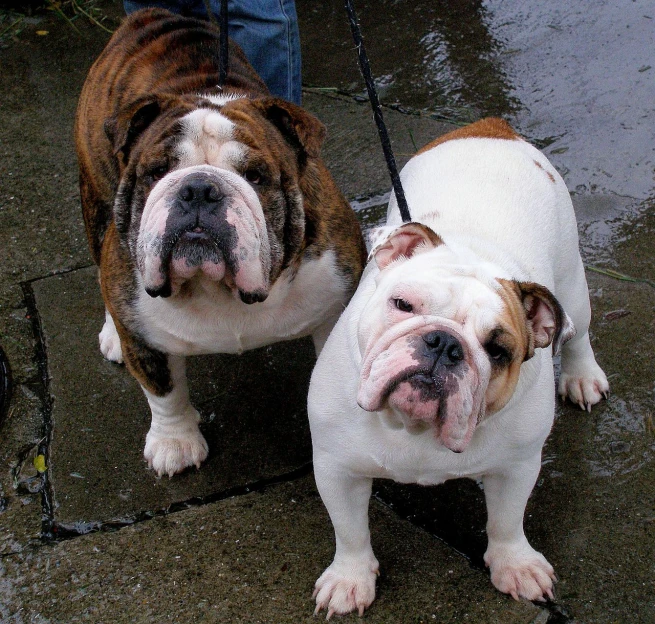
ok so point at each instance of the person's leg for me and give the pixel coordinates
(266, 30)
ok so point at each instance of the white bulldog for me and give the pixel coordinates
(441, 365)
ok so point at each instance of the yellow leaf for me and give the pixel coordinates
(42, 33)
(39, 463)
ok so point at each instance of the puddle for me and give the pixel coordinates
(582, 73)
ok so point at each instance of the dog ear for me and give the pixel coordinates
(123, 129)
(299, 128)
(391, 243)
(546, 318)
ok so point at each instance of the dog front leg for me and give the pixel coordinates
(110, 342)
(349, 583)
(516, 568)
(174, 441)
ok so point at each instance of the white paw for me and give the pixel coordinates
(110, 343)
(584, 387)
(521, 573)
(343, 588)
(172, 454)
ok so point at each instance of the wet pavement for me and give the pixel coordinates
(97, 538)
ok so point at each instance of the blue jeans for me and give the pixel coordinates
(266, 30)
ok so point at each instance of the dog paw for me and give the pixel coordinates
(584, 388)
(525, 574)
(344, 588)
(110, 343)
(170, 455)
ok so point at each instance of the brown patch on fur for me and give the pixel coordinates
(325, 221)
(551, 177)
(147, 365)
(488, 128)
(513, 335)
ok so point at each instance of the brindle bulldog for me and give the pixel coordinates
(215, 225)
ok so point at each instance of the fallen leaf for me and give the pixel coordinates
(39, 463)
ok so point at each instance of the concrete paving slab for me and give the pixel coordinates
(249, 559)
(254, 407)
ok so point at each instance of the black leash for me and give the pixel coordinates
(222, 40)
(222, 67)
(365, 68)
(377, 113)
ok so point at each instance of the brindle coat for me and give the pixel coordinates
(154, 71)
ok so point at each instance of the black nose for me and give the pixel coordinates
(444, 347)
(199, 192)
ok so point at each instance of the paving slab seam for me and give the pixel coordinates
(42, 390)
(62, 531)
(57, 272)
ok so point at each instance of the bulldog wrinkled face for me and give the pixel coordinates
(213, 193)
(203, 217)
(442, 339)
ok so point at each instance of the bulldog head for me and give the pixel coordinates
(210, 188)
(443, 338)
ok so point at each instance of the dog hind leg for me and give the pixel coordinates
(581, 379)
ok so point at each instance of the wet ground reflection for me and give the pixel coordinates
(575, 77)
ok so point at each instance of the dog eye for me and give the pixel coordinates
(498, 354)
(403, 305)
(253, 176)
(158, 172)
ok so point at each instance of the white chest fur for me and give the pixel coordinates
(213, 320)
